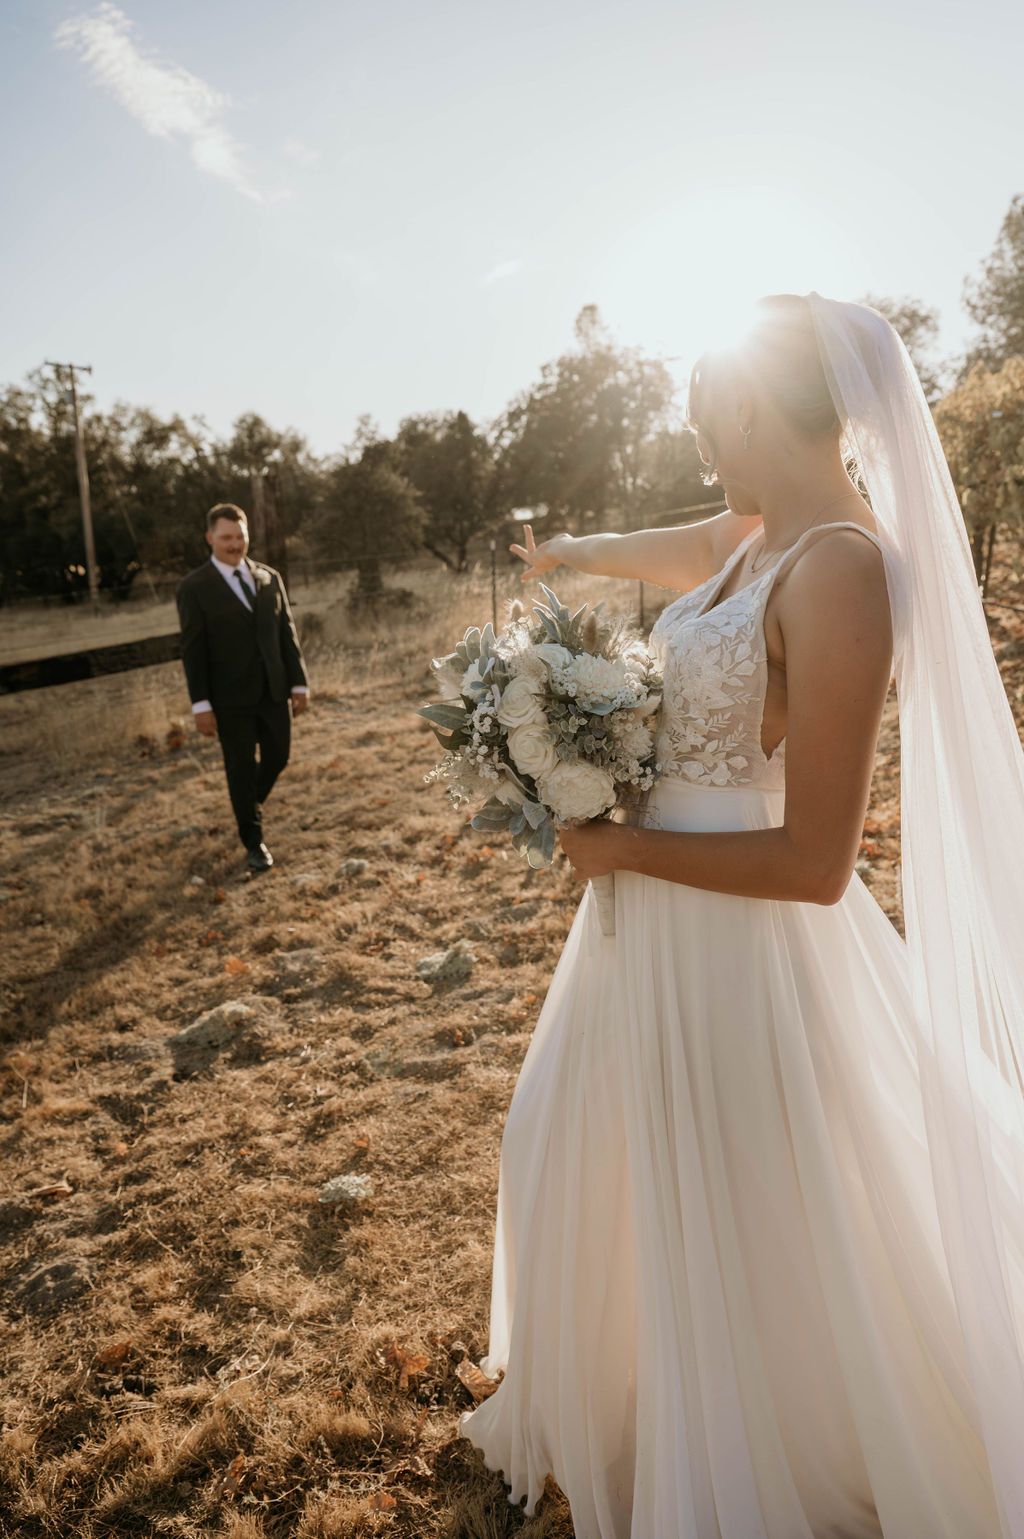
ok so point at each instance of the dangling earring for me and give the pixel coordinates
(746, 436)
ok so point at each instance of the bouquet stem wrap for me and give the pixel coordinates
(604, 894)
(634, 809)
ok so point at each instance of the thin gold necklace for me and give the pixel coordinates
(800, 536)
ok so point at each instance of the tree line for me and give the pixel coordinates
(597, 441)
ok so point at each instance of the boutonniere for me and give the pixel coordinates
(260, 577)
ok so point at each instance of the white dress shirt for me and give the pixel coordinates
(231, 575)
(244, 589)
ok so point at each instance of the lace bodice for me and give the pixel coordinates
(714, 660)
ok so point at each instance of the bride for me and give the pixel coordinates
(759, 1265)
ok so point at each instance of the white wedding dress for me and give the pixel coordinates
(720, 1298)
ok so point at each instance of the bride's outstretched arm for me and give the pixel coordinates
(834, 614)
(679, 558)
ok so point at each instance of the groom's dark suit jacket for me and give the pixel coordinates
(235, 657)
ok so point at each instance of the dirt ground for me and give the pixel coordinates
(193, 1343)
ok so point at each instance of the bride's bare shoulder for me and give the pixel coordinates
(839, 573)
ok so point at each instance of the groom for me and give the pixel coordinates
(243, 665)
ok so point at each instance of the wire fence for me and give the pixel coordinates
(48, 668)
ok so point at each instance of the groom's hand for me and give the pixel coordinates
(300, 702)
(206, 723)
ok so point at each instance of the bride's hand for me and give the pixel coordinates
(540, 558)
(590, 848)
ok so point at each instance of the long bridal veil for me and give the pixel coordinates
(962, 794)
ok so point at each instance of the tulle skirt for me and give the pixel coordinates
(720, 1300)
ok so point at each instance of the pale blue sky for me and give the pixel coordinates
(315, 210)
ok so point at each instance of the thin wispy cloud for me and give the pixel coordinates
(301, 153)
(168, 101)
(503, 270)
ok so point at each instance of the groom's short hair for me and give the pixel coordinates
(226, 510)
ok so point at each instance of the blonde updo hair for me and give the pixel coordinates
(779, 357)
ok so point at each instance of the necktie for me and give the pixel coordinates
(244, 587)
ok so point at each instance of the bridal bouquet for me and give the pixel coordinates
(548, 722)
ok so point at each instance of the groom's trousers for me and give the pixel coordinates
(266, 728)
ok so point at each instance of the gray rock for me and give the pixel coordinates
(352, 867)
(217, 1027)
(345, 1191)
(384, 1065)
(451, 966)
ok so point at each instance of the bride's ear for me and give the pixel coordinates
(746, 410)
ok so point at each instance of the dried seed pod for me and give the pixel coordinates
(588, 635)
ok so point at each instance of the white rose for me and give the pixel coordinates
(532, 749)
(554, 655)
(577, 790)
(518, 704)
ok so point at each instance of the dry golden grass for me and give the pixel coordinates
(44, 628)
(194, 1345)
(47, 627)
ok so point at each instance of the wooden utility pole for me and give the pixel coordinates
(266, 530)
(83, 481)
(258, 516)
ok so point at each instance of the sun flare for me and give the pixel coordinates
(685, 277)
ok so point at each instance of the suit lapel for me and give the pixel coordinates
(218, 588)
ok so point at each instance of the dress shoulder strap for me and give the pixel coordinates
(808, 535)
(787, 560)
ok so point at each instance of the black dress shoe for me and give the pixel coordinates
(259, 858)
